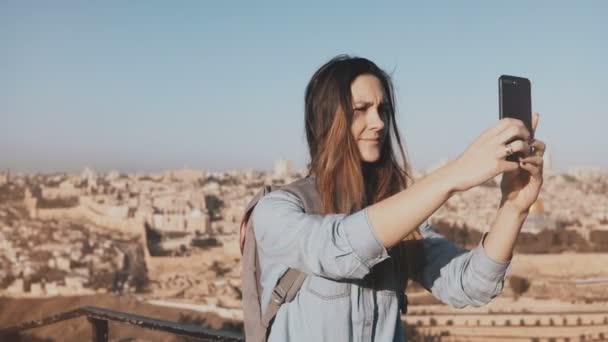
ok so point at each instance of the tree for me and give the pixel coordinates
(519, 285)
(214, 205)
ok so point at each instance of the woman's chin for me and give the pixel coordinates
(370, 158)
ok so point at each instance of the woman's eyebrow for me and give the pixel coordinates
(369, 103)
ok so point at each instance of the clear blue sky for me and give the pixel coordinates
(149, 85)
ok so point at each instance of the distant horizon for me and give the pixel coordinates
(131, 86)
(269, 169)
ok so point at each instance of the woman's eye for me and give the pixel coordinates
(358, 111)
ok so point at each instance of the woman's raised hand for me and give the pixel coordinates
(520, 188)
(485, 158)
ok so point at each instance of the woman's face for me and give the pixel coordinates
(370, 113)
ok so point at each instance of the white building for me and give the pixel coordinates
(66, 189)
(185, 175)
(193, 220)
(3, 178)
(90, 176)
(548, 161)
(283, 168)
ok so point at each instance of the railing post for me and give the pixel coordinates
(99, 329)
(12, 336)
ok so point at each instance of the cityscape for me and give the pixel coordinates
(170, 241)
(134, 134)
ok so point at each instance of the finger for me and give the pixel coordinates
(495, 129)
(516, 146)
(500, 126)
(512, 132)
(505, 123)
(534, 160)
(539, 147)
(535, 118)
(507, 166)
(532, 169)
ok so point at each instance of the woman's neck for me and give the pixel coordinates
(367, 170)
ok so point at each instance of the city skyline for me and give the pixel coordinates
(152, 88)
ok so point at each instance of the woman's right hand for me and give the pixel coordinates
(485, 158)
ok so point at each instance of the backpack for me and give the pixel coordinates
(257, 323)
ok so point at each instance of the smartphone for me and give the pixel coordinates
(515, 101)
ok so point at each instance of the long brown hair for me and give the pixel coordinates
(345, 183)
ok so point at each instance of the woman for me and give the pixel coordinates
(371, 233)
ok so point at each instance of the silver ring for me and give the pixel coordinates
(509, 149)
(532, 150)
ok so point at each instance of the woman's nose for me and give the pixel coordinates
(375, 120)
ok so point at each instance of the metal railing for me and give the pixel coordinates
(99, 317)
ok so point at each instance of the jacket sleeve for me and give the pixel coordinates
(456, 276)
(335, 246)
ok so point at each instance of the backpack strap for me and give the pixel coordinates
(249, 209)
(291, 282)
(284, 291)
(306, 191)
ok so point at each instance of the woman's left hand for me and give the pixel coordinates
(521, 187)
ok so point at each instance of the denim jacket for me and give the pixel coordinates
(337, 251)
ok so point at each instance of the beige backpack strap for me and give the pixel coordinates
(291, 282)
(285, 291)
